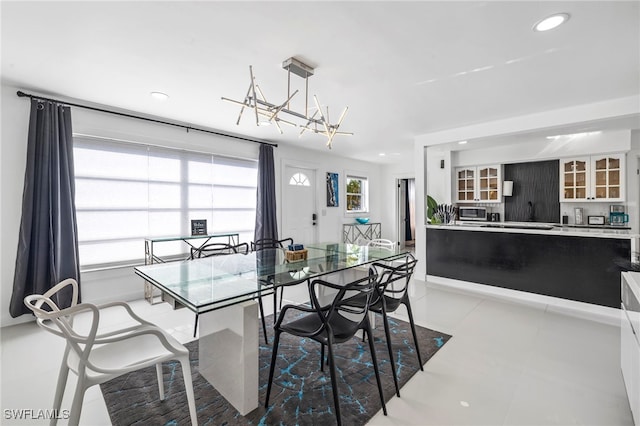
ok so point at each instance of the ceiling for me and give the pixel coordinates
(402, 68)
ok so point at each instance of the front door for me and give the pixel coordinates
(299, 205)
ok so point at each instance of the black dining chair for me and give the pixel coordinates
(218, 249)
(271, 243)
(222, 249)
(329, 324)
(391, 292)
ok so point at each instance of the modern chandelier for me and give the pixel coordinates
(267, 113)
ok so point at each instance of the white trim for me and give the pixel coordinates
(588, 311)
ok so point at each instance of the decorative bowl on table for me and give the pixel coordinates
(362, 220)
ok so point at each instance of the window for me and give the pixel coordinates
(299, 179)
(126, 193)
(357, 194)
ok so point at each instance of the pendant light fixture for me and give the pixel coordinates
(266, 112)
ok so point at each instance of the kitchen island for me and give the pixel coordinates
(579, 264)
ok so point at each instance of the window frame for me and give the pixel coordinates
(365, 192)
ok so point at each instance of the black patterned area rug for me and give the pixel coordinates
(301, 393)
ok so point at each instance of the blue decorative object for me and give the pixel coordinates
(362, 220)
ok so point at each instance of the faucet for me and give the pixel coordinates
(530, 218)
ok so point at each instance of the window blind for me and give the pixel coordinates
(128, 192)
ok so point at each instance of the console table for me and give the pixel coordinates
(192, 241)
(360, 233)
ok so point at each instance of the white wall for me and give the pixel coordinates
(122, 283)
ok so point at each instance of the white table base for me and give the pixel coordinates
(228, 348)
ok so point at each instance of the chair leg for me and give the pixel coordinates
(321, 357)
(78, 397)
(62, 382)
(413, 329)
(391, 360)
(160, 381)
(375, 366)
(188, 386)
(334, 383)
(275, 305)
(264, 323)
(195, 327)
(274, 355)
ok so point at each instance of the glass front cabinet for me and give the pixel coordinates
(481, 184)
(595, 178)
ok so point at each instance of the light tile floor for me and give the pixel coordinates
(508, 363)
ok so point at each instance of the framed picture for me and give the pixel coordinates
(199, 227)
(332, 189)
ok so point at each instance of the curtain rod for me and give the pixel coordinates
(27, 95)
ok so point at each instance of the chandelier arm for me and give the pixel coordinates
(305, 127)
(335, 129)
(246, 97)
(278, 126)
(253, 89)
(323, 120)
(244, 104)
(260, 93)
(306, 94)
(281, 107)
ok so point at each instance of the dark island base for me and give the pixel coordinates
(584, 269)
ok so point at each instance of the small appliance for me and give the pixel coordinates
(493, 217)
(472, 213)
(617, 216)
(595, 220)
(578, 216)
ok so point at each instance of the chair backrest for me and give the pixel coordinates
(218, 249)
(341, 316)
(265, 243)
(60, 321)
(393, 278)
(382, 243)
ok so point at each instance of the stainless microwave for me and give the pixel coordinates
(472, 213)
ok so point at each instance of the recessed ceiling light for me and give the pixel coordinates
(462, 142)
(382, 154)
(159, 96)
(551, 22)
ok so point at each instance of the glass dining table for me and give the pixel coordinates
(222, 290)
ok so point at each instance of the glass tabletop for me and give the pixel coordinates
(218, 281)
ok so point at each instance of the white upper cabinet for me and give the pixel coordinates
(481, 184)
(595, 178)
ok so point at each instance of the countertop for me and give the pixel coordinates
(537, 228)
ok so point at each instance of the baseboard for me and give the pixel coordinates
(587, 311)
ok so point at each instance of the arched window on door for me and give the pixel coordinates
(299, 179)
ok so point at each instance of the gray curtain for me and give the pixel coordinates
(48, 240)
(266, 221)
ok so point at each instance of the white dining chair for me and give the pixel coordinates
(382, 243)
(96, 353)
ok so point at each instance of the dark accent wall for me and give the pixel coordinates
(535, 182)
